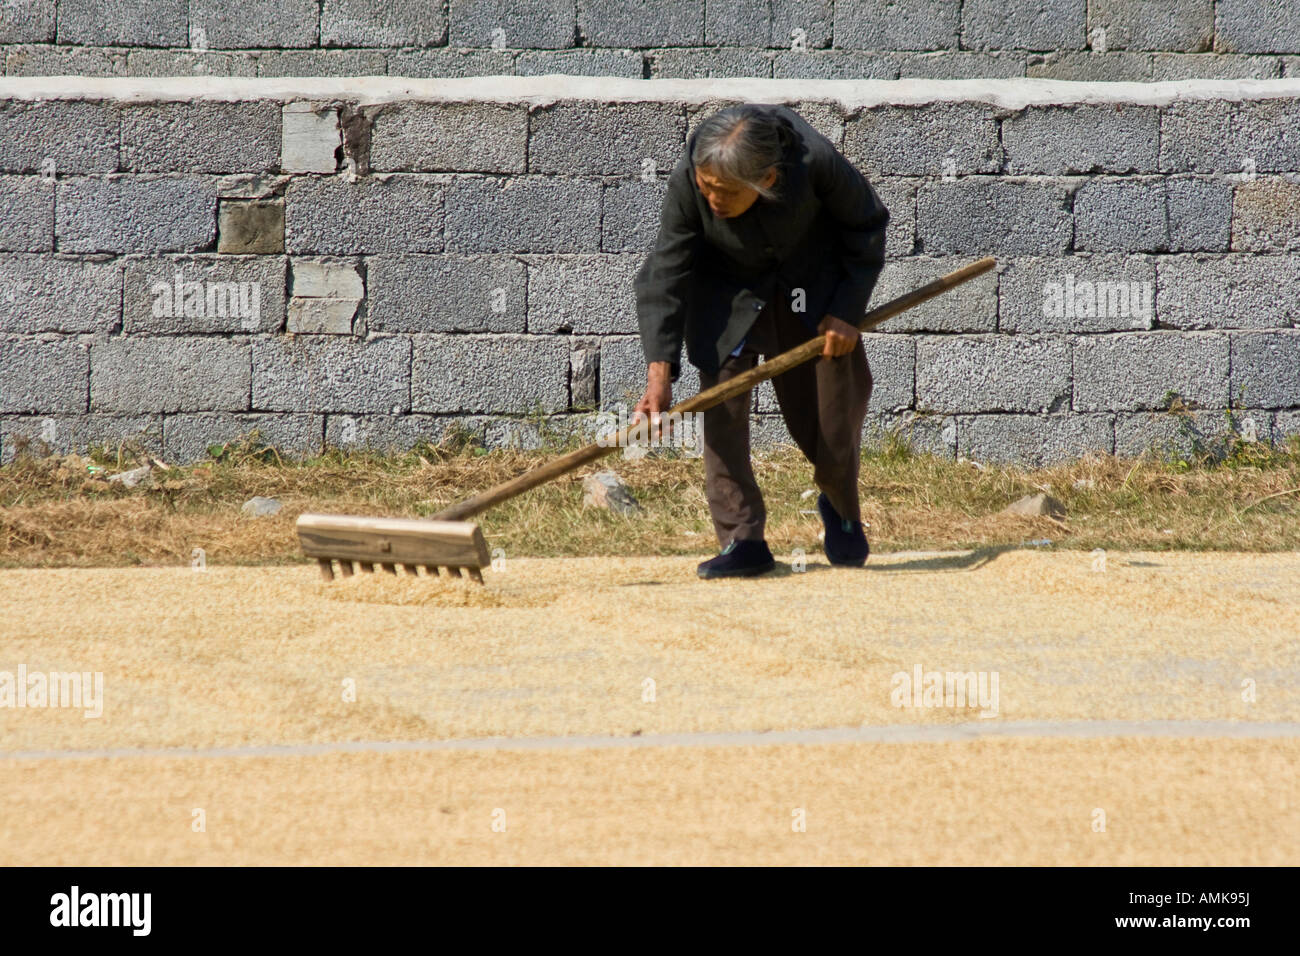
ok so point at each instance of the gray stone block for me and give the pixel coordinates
(423, 63)
(1225, 292)
(1266, 369)
(201, 137)
(1268, 131)
(814, 18)
(985, 373)
(1199, 210)
(126, 22)
(709, 62)
(531, 214)
(899, 197)
(146, 62)
(970, 307)
(219, 25)
(327, 279)
(1024, 24)
(623, 374)
(44, 294)
(1198, 136)
(1092, 67)
(738, 23)
(584, 372)
(834, 65)
(651, 23)
(490, 373)
(423, 137)
(321, 316)
(892, 360)
(514, 24)
(1217, 136)
(26, 214)
(39, 376)
(605, 140)
(1257, 26)
(1186, 25)
(28, 22)
(925, 140)
(925, 434)
(1135, 371)
(449, 293)
(588, 295)
(250, 226)
(825, 118)
(1061, 140)
(1286, 430)
(66, 61)
(178, 295)
(983, 215)
(1266, 216)
(587, 62)
(1036, 441)
(331, 216)
(322, 63)
(1102, 293)
(332, 374)
(68, 434)
(398, 433)
(58, 136)
(1214, 66)
(631, 212)
(1163, 436)
(310, 139)
(382, 23)
(136, 214)
(1121, 215)
(146, 374)
(902, 25)
(961, 65)
(1152, 215)
(186, 437)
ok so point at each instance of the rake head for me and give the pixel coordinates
(442, 548)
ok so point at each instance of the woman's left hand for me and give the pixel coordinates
(840, 337)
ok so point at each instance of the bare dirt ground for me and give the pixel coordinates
(384, 720)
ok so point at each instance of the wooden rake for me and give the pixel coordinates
(449, 545)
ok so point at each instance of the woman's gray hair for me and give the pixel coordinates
(741, 143)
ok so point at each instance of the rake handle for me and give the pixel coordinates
(709, 397)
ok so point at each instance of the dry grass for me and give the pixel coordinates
(61, 512)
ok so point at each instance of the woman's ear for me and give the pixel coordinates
(770, 179)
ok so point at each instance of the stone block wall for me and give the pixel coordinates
(372, 266)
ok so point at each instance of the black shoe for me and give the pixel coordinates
(845, 542)
(739, 559)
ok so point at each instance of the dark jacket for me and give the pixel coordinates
(707, 278)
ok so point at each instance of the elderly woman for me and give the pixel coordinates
(767, 237)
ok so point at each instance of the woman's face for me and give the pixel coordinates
(728, 198)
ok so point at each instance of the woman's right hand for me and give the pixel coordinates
(657, 398)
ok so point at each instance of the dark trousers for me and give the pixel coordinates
(823, 402)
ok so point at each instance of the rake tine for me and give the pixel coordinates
(326, 568)
(476, 574)
(411, 570)
(347, 568)
(390, 568)
(366, 567)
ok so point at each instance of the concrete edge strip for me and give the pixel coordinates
(885, 734)
(1012, 93)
